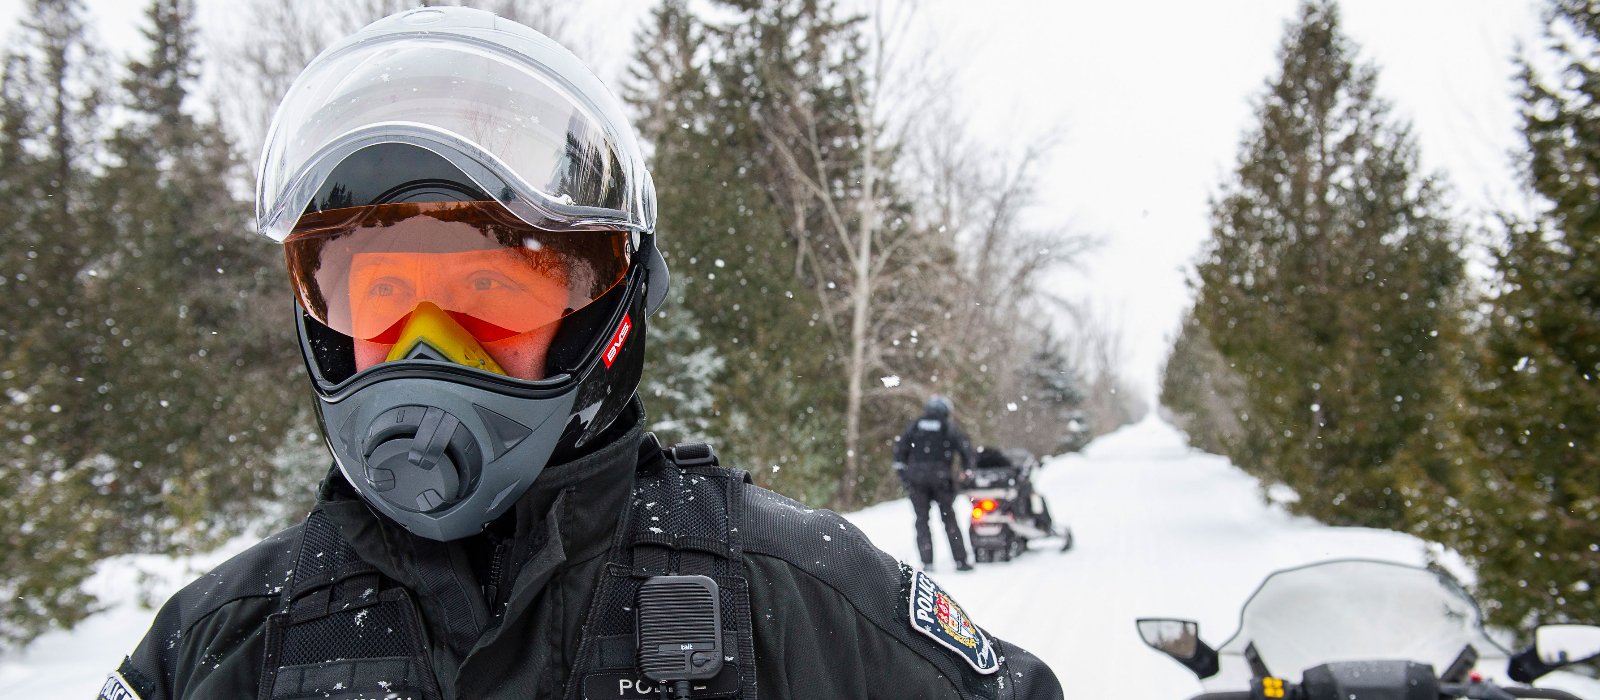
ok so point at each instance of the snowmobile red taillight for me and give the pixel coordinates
(988, 505)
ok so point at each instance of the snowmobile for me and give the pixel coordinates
(1366, 630)
(1007, 513)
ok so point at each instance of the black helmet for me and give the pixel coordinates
(937, 406)
(470, 232)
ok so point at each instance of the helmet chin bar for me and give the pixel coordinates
(439, 457)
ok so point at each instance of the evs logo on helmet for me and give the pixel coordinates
(615, 346)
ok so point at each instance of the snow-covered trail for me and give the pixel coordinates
(1162, 531)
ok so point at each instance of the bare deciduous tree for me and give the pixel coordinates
(914, 239)
(848, 260)
(1096, 339)
(995, 336)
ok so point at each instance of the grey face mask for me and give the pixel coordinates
(439, 455)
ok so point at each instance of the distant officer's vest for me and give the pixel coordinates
(929, 452)
(346, 631)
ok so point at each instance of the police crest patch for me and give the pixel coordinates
(935, 614)
(116, 689)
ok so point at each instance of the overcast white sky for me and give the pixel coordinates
(1148, 101)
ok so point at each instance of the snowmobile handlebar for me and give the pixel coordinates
(1470, 691)
(1546, 693)
(1482, 690)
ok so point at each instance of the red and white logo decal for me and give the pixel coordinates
(615, 346)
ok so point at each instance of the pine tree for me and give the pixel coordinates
(1330, 280)
(148, 403)
(735, 346)
(197, 301)
(50, 474)
(1534, 525)
(1202, 392)
(667, 89)
(1055, 394)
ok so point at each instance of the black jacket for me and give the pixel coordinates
(829, 612)
(929, 447)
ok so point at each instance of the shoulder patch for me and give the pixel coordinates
(935, 614)
(116, 689)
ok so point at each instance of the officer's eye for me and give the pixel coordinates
(384, 288)
(484, 283)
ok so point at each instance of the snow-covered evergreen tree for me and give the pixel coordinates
(1534, 525)
(50, 99)
(1331, 287)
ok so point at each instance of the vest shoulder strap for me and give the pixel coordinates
(342, 627)
(685, 519)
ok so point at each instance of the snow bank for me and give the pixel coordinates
(74, 664)
(1162, 531)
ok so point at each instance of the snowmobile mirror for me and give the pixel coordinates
(1180, 639)
(1554, 646)
(1560, 645)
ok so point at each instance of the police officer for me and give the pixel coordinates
(923, 457)
(470, 236)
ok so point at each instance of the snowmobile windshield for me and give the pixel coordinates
(513, 110)
(1353, 610)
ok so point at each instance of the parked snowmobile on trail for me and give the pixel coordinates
(1007, 513)
(1366, 630)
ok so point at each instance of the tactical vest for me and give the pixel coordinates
(345, 632)
(930, 452)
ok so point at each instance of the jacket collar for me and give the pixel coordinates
(587, 495)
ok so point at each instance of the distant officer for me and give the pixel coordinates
(923, 457)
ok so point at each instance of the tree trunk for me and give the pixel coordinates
(860, 321)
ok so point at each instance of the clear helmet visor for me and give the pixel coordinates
(515, 111)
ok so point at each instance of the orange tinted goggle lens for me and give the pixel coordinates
(362, 271)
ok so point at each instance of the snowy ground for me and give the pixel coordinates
(1162, 531)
